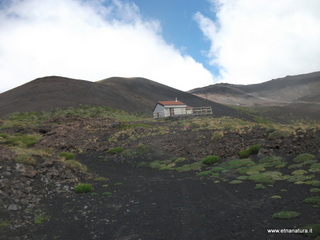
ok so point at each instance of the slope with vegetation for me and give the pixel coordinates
(99, 173)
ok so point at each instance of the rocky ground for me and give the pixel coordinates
(134, 198)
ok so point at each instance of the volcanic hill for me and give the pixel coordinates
(137, 95)
(295, 96)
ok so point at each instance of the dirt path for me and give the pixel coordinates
(151, 204)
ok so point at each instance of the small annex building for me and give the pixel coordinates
(170, 109)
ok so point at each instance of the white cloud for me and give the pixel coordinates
(257, 40)
(89, 40)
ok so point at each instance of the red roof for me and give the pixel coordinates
(171, 103)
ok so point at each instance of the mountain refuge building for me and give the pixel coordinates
(176, 108)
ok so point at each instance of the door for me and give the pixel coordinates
(171, 110)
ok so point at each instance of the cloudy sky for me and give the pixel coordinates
(180, 43)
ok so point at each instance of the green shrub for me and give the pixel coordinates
(115, 150)
(260, 186)
(303, 157)
(276, 197)
(22, 140)
(315, 230)
(272, 161)
(254, 149)
(67, 155)
(312, 200)
(266, 177)
(286, 214)
(4, 225)
(107, 194)
(74, 164)
(39, 219)
(235, 182)
(83, 188)
(24, 159)
(210, 160)
(244, 153)
(314, 190)
(315, 167)
(236, 163)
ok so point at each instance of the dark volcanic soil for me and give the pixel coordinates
(163, 205)
(134, 201)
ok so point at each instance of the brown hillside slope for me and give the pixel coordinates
(276, 92)
(133, 95)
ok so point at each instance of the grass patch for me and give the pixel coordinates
(237, 163)
(266, 177)
(190, 167)
(276, 197)
(312, 200)
(67, 155)
(314, 190)
(259, 186)
(272, 161)
(39, 219)
(286, 215)
(210, 160)
(115, 150)
(74, 164)
(101, 179)
(314, 167)
(107, 194)
(25, 159)
(4, 225)
(244, 153)
(22, 140)
(83, 188)
(118, 184)
(304, 157)
(235, 182)
(315, 230)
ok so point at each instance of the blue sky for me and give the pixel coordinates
(180, 43)
(178, 24)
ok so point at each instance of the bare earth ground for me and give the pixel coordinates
(138, 202)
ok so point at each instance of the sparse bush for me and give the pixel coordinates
(275, 197)
(272, 161)
(39, 219)
(107, 194)
(260, 186)
(210, 160)
(235, 182)
(315, 167)
(4, 225)
(277, 134)
(204, 173)
(83, 188)
(312, 200)
(266, 177)
(67, 155)
(286, 214)
(24, 159)
(236, 163)
(244, 153)
(115, 150)
(254, 149)
(75, 165)
(303, 157)
(314, 190)
(22, 140)
(315, 233)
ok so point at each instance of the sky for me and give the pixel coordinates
(180, 43)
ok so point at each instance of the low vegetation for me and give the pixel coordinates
(286, 214)
(83, 188)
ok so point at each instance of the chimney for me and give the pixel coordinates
(176, 99)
